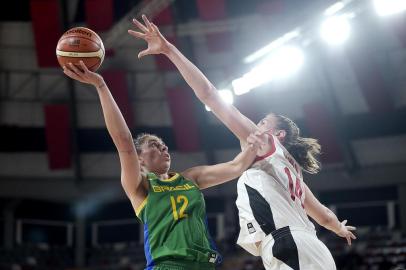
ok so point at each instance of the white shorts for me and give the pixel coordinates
(297, 249)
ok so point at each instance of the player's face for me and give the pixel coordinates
(268, 124)
(155, 156)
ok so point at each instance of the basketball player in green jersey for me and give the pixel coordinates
(170, 205)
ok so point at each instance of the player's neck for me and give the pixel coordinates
(164, 176)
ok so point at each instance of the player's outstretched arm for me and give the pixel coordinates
(208, 176)
(118, 130)
(239, 124)
(326, 218)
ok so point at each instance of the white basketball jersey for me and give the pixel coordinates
(270, 196)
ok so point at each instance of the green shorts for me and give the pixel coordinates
(183, 265)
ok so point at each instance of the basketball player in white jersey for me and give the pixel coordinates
(273, 201)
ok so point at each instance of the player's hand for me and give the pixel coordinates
(260, 141)
(345, 232)
(84, 75)
(253, 142)
(149, 32)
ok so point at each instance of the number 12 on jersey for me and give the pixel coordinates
(179, 199)
(295, 190)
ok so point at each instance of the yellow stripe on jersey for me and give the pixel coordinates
(171, 178)
(142, 205)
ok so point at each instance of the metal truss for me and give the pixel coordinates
(28, 86)
(41, 86)
(150, 8)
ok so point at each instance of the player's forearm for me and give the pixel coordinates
(331, 221)
(202, 87)
(243, 161)
(115, 122)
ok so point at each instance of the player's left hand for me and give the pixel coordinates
(346, 232)
(157, 44)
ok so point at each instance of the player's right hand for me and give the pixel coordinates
(345, 232)
(84, 75)
(259, 140)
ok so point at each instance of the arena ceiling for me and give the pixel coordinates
(351, 97)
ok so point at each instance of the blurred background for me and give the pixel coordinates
(336, 68)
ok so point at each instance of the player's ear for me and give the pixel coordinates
(280, 134)
(141, 160)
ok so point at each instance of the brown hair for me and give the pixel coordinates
(306, 151)
(141, 139)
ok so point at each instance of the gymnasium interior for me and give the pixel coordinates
(338, 70)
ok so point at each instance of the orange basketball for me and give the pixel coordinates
(80, 43)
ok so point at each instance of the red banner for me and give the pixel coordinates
(184, 121)
(99, 14)
(46, 26)
(117, 82)
(211, 9)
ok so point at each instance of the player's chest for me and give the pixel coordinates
(176, 201)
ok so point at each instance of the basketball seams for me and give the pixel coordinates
(91, 67)
(90, 49)
(89, 39)
(65, 60)
(97, 63)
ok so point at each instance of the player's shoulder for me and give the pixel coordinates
(249, 172)
(251, 176)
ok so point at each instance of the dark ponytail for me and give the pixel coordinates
(306, 151)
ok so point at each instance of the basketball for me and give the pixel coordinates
(80, 43)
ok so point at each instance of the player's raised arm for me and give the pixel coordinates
(208, 176)
(117, 128)
(239, 124)
(326, 218)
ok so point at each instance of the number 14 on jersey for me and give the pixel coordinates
(295, 189)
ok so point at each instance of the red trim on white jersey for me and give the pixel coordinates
(273, 149)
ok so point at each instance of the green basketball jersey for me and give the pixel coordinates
(175, 222)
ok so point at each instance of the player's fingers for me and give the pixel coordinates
(136, 34)
(256, 139)
(155, 28)
(76, 70)
(351, 228)
(71, 74)
(264, 140)
(256, 144)
(84, 67)
(344, 222)
(264, 136)
(140, 25)
(348, 240)
(143, 53)
(73, 70)
(258, 133)
(252, 145)
(250, 139)
(147, 22)
(352, 236)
